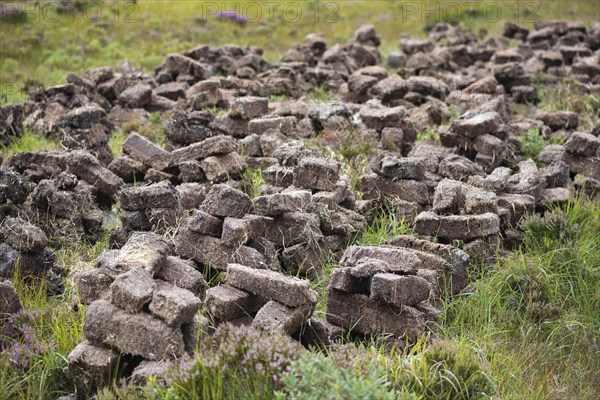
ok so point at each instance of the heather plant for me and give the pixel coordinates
(27, 345)
(358, 358)
(251, 351)
(32, 365)
(236, 362)
(315, 376)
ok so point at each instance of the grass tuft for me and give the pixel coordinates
(252, 181)
(429, 135)
(385, 226)
(29, 141)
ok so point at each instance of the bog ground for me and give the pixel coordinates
(361, 200)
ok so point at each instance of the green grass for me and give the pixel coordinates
(153, 130)
(527, 329)
(533, 143)
(569, 97)
(385, 226)
(349, 148)
(55, 329)
(320, 284)
(29, 142)
(116, 142)
(429, 135)
(320, 94)
(253, 181)
(535, 317)
(214, 110)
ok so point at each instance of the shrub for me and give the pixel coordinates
(22, 352)
(249, 350)
(317, 377)
(32, 366)
(237, 361)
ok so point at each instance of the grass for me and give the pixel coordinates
(116, 142)
(535, 317)
(352, 150)
(153, 130)
(527, 329)
(429, 135)
(214, 110)
(320, 94)
(385, 226)
(253, 181)
(53, 327)
(533, 143)
(529, 326)
(29, 142)
(569, 97)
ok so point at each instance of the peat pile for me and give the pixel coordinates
(142, 308)
(269, 300)
(240, 196)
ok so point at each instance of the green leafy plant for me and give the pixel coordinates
(315, 377)
(532, 144)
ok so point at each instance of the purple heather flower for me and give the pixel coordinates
(29, 346)
(230, 15)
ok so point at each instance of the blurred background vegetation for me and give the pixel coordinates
(47, 45)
